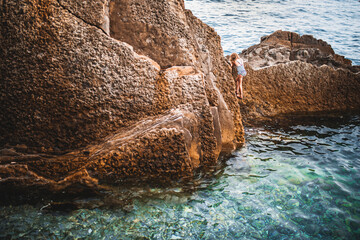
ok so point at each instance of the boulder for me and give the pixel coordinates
(284, 46)
(293, 74)
(106, 91)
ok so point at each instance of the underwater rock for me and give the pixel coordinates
(291, 74)
(99, 92)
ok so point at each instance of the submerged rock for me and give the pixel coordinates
(104, 91)
(290, 74)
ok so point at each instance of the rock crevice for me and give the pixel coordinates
(103, 27)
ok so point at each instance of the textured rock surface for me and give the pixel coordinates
(288, 74)
(92, 93)
(172, 36)
(283, 46)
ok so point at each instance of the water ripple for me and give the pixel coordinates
(300, 181)
(336, 22)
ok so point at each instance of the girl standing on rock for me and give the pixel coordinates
(235, 60)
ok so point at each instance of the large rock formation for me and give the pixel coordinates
(289, 73)
(102, 91)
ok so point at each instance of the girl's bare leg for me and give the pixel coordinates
(240, 86)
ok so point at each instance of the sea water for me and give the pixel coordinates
(300, 180)
(241, 23)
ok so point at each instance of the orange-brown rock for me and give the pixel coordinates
(97, 92)
(291, 74)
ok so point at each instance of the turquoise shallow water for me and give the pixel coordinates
(241, 23)
(296, 182)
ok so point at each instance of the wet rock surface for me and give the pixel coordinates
(86, 104)
(293, 74)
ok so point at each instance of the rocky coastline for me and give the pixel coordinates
(112, 91)
(293, 74)
(96, 93)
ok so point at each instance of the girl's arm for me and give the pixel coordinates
(230, 64)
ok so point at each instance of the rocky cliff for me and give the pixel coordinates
(289, 73)
(97, 92)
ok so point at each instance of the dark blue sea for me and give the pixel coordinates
(241, 23)
(298, 180)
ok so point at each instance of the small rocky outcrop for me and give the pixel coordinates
(100, 92)
(290, 74)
